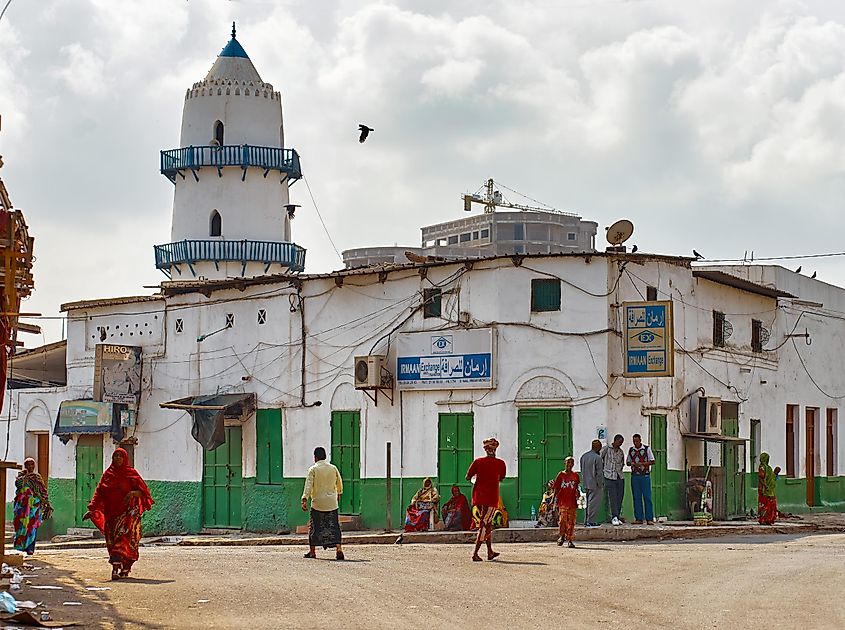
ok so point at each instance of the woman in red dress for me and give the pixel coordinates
(115, 509)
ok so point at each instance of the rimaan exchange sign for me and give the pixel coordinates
(448, 359)
(649, 339)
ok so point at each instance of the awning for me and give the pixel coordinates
(713, 437)
(208, 413)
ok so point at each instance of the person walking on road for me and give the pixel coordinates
(566, 492)
(119, 500)
(31, 507)
(323, 486)
(613, 460)
(489, 472)
(592, 478)
(641, 459)
(767, 503)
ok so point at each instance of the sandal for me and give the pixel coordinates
(476, 558)
(310, 554)
(493, 556)
(340, 556)
(124, 573)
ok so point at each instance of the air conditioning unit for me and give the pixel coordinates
(706, 415)
(371, 372)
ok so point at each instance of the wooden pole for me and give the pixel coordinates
(388, 489)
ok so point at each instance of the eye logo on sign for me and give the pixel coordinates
(441, 344)
(646, 337)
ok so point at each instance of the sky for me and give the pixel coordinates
(716, 125)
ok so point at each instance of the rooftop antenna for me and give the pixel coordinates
(617, 234)
(233, 30)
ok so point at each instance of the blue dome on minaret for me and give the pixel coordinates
(233, 48)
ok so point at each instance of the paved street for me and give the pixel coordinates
(774, 581)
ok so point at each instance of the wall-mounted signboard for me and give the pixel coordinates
(87, 416)
(449, 359)
(648, 339)
(117, 374)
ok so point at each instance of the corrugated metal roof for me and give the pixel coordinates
(75, 306)
(720, 277)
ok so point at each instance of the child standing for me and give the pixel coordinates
(566, 491)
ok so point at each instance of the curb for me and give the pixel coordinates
(533, 535)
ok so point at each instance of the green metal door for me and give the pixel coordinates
(346, 455)
(222, 482)
(734, 474)
(454, 453)
(660, 470)
(545, 439)
(89, 469)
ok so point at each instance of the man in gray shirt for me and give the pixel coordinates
(613, 459)
(592, 478)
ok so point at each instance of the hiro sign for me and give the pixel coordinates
(448, 359)
(649, 339)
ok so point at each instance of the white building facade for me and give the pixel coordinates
(259, 361)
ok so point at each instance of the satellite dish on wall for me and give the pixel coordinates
(619, 232)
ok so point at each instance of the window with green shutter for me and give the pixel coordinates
(545, 294)
(268, 446)
(432, 302)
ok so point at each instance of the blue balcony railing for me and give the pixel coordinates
(244, 156)
(190, 252)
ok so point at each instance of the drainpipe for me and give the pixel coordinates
(301, 306)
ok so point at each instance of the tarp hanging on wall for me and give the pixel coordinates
(208, 413)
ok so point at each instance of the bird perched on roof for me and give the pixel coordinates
(814, 275)
(365, 131)
(798, 270)
(696, 254)
(634, 249)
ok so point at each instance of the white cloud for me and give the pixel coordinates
(83, 72)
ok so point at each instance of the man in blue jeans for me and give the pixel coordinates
(641, 459)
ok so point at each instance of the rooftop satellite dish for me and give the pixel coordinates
(619, 232)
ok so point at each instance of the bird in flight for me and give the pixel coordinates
(365, 131)
(798, 270)
(696, 254)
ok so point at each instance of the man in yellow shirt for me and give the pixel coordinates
(323, 486)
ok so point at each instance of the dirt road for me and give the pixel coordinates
(763, 582)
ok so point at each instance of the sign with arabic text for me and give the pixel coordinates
(648, 339)
(453, 359)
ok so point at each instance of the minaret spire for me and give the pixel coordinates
(233, 30)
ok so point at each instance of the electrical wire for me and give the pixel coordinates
(2, 13)
(320, 216)
(810, 376)
(575, 286)
(788, 257)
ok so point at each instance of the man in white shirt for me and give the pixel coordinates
(613, 458)
(323, 486)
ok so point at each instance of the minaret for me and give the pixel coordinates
(231, 216)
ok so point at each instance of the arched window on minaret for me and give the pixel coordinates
(215, 227)
(218, 133)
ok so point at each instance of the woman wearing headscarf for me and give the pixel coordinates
(115, 509)
(547, 513)
(422, 513)
(456, 512)
(32, 506)
(566, 492)
(767, 504)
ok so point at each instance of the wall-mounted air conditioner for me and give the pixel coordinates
(706, 414)
(371, 372)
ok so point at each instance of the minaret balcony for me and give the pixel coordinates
(191, 252)
(175, 161)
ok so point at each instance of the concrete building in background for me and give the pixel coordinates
(492, 233)
(221, 384)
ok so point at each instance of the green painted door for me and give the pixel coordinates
(454, 453)
(734, 473)
(222, 482)
(660, 470)
(346, 455)
(545, 439)
(89, 469)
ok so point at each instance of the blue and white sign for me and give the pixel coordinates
(649, 339)
(457, 359)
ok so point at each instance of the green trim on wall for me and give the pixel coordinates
(177, 509)
(62, 494)
(266, 507)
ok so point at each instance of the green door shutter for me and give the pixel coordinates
(346, 455)
(89, 469)
(222, 482)
(558, 441)
(454, 453)
(530, 457)
(734, 481)
(659, 472)
(268, 446)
